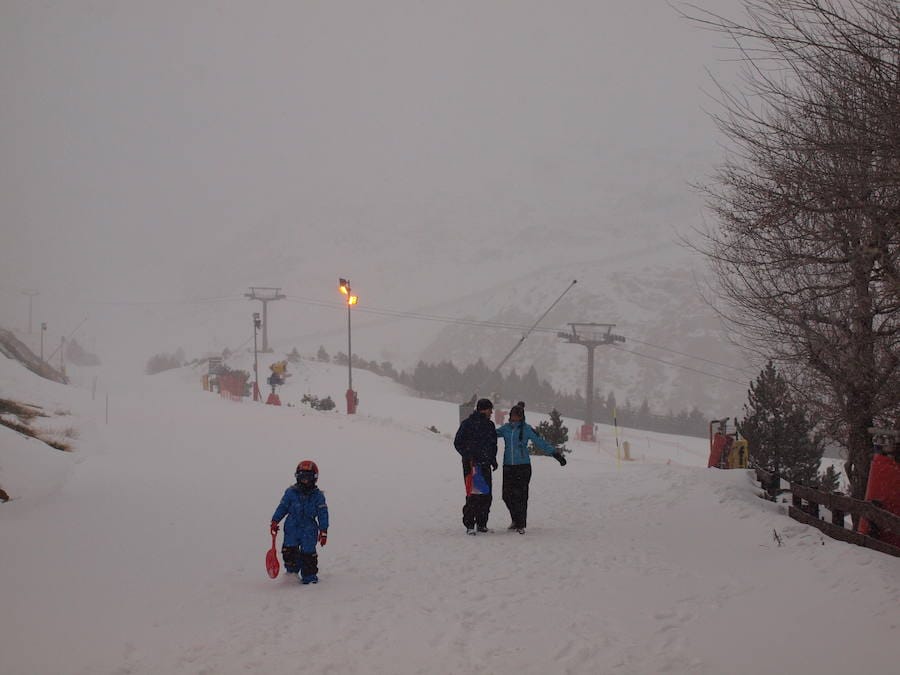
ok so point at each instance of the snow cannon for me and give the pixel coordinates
(726, 450)
(739, 455)
(278, 375)
(883, 488)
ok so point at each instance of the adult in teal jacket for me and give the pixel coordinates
(517, 464)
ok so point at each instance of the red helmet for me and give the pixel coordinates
(307, 472)
(308, 465)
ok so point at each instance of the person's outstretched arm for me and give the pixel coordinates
(542, 444)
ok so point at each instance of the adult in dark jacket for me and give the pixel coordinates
(476, 442)
(517, 464)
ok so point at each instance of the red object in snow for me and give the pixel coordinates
(719, 441)
(883, 488)
(587, 433)
(273, 399)
(352, 402)
(272, 565)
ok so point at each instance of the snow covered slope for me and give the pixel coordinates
(142, 551)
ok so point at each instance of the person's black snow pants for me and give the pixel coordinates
(516, 478)
(477, 507)
(296, 561)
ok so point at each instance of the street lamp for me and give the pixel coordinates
(257, 322)
(352, 398)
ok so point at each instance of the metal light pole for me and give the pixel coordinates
(352, 398)
(30, 295)
(43, 330)
(256, 324)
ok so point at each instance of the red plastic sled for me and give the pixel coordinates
(272, 565)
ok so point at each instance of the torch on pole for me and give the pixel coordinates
(352, 398)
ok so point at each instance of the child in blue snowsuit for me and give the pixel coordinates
(307, 523)
(517, 464)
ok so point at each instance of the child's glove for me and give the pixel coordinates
(273, 527)
(558, 456)
(323, 537)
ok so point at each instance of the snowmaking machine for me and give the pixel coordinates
(277, 378)
(727, 450)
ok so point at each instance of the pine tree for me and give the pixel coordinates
(611, 404)
(554, 431)
(780, 436)
(387, 368)
(644, 416)
(530, 385)
(322, 355)
(830, 480)
(79, 356)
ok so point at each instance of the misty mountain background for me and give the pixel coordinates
(462, 160)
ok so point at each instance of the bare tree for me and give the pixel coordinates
(807, 203)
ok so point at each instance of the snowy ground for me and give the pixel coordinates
(143, 550)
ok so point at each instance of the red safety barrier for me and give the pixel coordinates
(883, 489)
(587, 433)
(716, 448)
(231, 385)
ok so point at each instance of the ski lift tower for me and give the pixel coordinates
(265, 295)
(590, 335)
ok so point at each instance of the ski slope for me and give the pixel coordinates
(142, 552)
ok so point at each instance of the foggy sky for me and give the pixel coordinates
(167, 150)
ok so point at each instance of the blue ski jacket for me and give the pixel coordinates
(515, 437)
(307, 513)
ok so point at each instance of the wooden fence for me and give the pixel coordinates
(806, 503)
